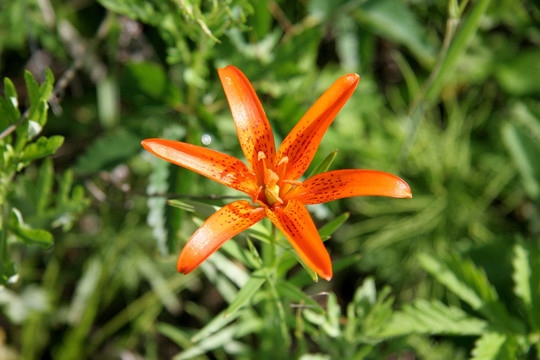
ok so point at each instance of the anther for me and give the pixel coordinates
(284, 161)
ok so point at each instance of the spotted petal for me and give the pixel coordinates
(296, 223)
(252, 126)
(302, 142)
(227, 222)
(217, 166)
(339, 184)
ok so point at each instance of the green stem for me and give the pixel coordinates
(269, 262)
(6, 267)
(454, 44)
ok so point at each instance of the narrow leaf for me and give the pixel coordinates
(458, 46)
(214, 341)
(246, 292)
(219, 322)
(330, 227)
(32, 87)
(325, 164)
(525, 152)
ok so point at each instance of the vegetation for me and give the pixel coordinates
(91, 224)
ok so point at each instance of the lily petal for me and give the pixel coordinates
(296, 223)
(339, 184)
(227, 222)
(217, 166)
(252, 126)
(302, 142)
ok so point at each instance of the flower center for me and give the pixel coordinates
(275, 186)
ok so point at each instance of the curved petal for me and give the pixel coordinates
(338, 184)
(302, 142)
(227, 222)
(217, 166)
(296, 223)
(252, 126)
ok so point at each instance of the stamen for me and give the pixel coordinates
(256, 197)
(284, 161)
(260, 177)
(282, 166)
(292, 182)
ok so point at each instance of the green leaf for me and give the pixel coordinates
(42, 147)
(463, 278)
(44, 185)
(241, 254)
(526, 276)
(495, 346)
(324, 165)
(395, 20)
(333, 314)
(521, 75)
(330, 227)
(458, 46)
(30, 236)
(471, 285)
(231, 271)
(433, 318)
(177, 335)
(148, 267)
(32, 87)
(522, 275)
(291, 292)
(246, 292)
(7, 267)
(10, 93)
(219, 322)
(262, 18)
(39, 96)
(214, 341)
(145, 78)
(9, 105)
(369, 312)
(525, 151)
(87, 285)
(108, 151)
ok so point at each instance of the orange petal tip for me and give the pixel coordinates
(327, 277)
(353, 78)
(405, 190)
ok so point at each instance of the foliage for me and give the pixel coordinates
(29, 207)
(91, 225)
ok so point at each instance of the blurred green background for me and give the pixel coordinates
(448, 100)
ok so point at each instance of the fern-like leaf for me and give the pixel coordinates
(494, 346)
(433, 318)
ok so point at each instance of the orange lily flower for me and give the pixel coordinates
(272, 178)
